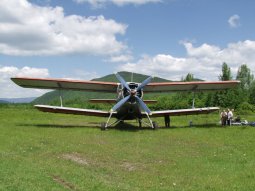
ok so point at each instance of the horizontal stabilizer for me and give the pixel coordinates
(112, 101)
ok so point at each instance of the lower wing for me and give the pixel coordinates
(76, 111)
(100, 113)
(178, 112)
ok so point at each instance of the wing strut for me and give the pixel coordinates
(60, 97)
(60, 94)
(193, 100)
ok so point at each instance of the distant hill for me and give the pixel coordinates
(70, 96)
(17, 100)
(128, 76)
(3, 101)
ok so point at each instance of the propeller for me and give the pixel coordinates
(122, 81)
(132, 93)
(144, 83)
(120, 103)
(143, 105)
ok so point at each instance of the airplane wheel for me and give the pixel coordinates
(103, 126)
(155, 125)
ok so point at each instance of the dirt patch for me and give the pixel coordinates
(128, 166)
(75, 157)
(63, 183)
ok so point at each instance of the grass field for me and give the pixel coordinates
(42, 151)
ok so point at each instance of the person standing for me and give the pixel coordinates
(167, 120)
(230, 117)
(223, 117)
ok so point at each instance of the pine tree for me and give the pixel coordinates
(188, 78)
(245, 76)
(226, 73)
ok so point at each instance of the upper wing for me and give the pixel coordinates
(178, 112)
(189, 86)
(76, 111)
(43, 83)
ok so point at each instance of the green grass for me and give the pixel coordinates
(42, 151)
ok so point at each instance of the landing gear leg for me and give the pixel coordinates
(151, 123)
(105, 125)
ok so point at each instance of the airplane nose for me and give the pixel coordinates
(133, 92)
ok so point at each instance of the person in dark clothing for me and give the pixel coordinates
(167, 120)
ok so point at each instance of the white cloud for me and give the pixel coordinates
(10, 90)
(204, 61)
(101, 3)
(121, 58)
(83, 75)
(203, 50)
(28, 29)
(234, 21)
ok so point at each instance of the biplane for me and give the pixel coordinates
(129, 104)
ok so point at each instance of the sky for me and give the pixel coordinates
(85, 39)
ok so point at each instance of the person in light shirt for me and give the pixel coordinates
(230, 117)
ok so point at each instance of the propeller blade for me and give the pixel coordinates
(144, 83)
(122, 81)
(143, 105)
(120, 103)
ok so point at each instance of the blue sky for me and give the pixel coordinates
(84, 39)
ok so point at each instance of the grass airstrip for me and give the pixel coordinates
(43, 151)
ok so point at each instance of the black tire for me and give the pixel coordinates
(103, 126)
(155, 125)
